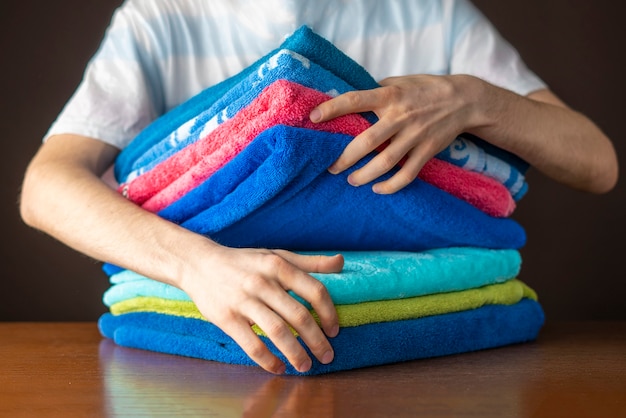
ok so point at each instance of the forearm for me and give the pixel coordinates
(560, 142)
(419, 116)
(64, 196)
(66, 199)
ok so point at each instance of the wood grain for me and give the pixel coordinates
(67, 369)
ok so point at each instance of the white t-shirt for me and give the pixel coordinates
(157, 54)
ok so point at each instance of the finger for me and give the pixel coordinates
(416, 158)
(252, 345)
(301, 320)
(314, 292)
(386, 160)
(346, 103)
(290, 277)
(274, 325)
(314, 263)
(363, 144)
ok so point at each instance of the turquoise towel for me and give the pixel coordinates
(370, 276)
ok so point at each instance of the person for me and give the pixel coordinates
(444, 70)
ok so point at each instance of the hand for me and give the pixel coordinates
(419, 115)
(237, 288)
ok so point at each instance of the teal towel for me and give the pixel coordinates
(371, 276)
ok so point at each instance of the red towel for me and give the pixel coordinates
(289, 103)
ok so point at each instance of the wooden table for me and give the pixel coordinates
(67, 369)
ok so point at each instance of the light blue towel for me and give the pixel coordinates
(303, 41)
(284, 65)
(371, 276)
(464, 153)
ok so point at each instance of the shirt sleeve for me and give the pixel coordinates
(480, 50)
(119, 93)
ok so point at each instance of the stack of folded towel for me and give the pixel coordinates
(429, 271)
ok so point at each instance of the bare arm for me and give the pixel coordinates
(64, 196)
(422, 114)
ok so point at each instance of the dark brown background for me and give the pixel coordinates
(575, 252)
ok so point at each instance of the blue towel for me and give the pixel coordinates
(303, 41)
(137, 157)
(284, 65)
(465, 153)
(355, 347)
(370, 276)
(277, 193)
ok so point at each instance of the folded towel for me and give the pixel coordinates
(465, 153)
(277, 193)
(367, 345)
(288, 103)
(288, 65)
(284, 65)
(303, 42)
(370, 276)
(507, 293)
(282, 102)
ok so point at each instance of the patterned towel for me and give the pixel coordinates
(465, 153)
(185, 123)
(272, 189)
(288, 103)
(284, 65)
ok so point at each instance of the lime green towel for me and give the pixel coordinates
(507, 293)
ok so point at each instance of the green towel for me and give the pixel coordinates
(507, 293)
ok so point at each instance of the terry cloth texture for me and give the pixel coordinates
(376, 344)
(428, 271)
(507, 293)
(369, 276)
(284, 65)
(317, 50)
(288, 103)
(277, 193)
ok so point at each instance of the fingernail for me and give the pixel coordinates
(328, 357)
(304, 367)
(281, 369)
(315, 115)
(352, 181)
(334, 331)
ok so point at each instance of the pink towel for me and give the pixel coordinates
(288, 103)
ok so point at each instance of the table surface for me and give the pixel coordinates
(68, 369)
